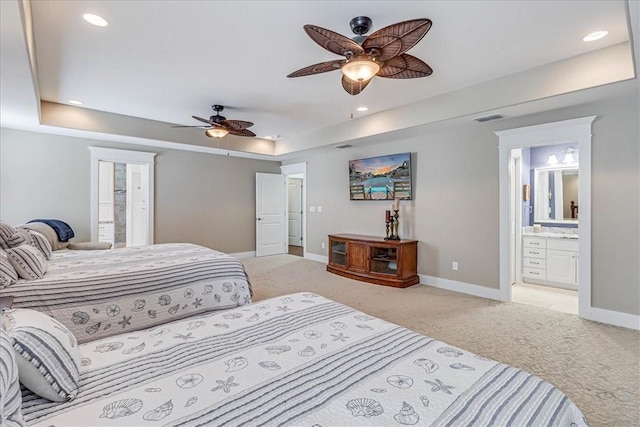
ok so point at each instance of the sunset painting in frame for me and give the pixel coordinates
(381, 178)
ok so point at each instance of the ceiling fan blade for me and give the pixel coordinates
(353, 87)
(396, 39)
(333, 42)
(237, 124)
(404, 66)
(241, 132)
(209, 122)
(204, 120)
(322, 67)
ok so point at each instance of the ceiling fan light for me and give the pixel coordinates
(360, 68)
(216, 132)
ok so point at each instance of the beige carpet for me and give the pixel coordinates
(596, 365)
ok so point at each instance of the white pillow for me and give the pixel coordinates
(46, 353)
(8, 274)
(10, 396)
(28, 261)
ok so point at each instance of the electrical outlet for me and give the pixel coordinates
(322, 245)
(312, 208)
(319, 209)
(454, 265)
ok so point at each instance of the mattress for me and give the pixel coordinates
(299, 359)
(102, 293)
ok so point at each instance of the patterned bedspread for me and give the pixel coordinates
(296, 360)
(102, 293)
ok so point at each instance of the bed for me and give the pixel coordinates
(299, 359)
(96, 294)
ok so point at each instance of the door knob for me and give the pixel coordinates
(259, 219)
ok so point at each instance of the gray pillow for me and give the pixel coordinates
(46, 352)
(10, 396)
(28, 261)
(8, 274)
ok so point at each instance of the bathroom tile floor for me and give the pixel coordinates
(557, 299)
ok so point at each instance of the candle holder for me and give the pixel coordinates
(394, 225)
(388, 225)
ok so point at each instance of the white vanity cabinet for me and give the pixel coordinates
(550, 261)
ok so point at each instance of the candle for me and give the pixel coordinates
(396, 205)
(387, 216)
(391, 207)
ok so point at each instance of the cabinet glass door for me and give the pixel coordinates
(338, 252)
(384, 260)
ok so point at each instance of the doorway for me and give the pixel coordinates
(296, 202)
(545, 276)
(576, 132)
(294, 214)
(122, 197)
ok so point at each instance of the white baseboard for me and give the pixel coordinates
(241, 255)
(616, 318)
(462, 287)
(319, 258)
(610, 317)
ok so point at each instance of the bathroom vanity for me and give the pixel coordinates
(550, 259)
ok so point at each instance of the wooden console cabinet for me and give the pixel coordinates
(374, 260)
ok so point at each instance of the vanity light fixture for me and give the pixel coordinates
(594, 36)
(552, 160)
(569, 157)
(96, 20)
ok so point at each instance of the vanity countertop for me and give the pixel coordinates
(552, 235)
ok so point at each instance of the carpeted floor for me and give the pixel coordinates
(596, 365)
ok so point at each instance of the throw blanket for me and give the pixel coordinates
(62, 229)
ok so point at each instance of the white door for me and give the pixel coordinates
(270, 214)
(294, 211)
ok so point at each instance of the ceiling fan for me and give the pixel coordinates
(220, 126)
(382, 53)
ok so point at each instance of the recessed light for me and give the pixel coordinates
(363, 108)
(74, 102)
(96, 20)
(595, 36)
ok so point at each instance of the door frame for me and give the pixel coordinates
(99, 154)
(297, 169)
(574, 131)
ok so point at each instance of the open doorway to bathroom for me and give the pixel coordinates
(545, 240)
(548, 221)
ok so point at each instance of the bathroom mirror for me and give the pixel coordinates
(556, 195)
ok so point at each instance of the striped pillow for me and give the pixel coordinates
(46, 352)
(28, 261)
(10, 396)
(33, 238)
(8, 274)
(40, 242)
(6, 231)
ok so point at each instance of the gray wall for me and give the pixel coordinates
(455, 213)
(200, 198)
